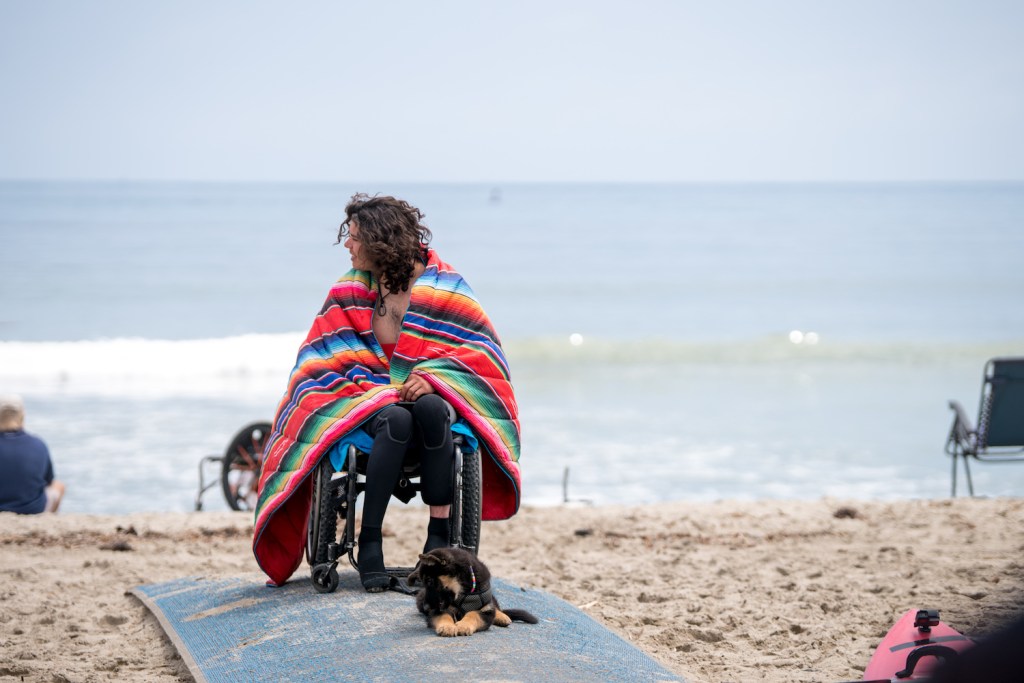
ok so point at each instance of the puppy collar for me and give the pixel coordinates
(477, 597)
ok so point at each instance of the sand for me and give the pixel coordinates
(726, 591)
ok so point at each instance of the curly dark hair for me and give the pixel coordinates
(391, 234)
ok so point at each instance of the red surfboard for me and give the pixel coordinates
(914, 647)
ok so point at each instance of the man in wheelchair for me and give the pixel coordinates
(401, 350)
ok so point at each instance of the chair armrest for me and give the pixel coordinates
(961, 416)
(962, 436)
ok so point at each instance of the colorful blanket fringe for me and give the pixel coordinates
(342, 377)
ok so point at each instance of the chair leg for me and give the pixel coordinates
(954, 459)
(967, 471)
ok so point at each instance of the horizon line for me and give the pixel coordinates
(498, 183)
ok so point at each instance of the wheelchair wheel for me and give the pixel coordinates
(325, 578)
(240, 473)
(323, 515)
(467, 505)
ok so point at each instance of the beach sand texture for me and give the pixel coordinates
(726, 591)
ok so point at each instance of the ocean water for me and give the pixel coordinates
(666, 341)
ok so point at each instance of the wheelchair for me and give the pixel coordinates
(240, 468)
(334, 500)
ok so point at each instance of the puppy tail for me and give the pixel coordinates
(520, 615)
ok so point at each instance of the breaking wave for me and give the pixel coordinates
(261, 362)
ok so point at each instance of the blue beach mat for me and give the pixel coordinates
(240, 630)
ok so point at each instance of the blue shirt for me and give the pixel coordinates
(25, 472)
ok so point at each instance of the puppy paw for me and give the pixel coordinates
(464, 629)
(447, 630)
(501, 619)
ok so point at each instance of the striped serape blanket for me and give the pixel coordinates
(342, 377)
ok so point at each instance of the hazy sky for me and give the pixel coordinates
(513, 91)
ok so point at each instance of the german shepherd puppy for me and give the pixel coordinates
(456, 594)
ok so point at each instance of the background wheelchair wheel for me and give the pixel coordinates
(470, 502)
(240, 473)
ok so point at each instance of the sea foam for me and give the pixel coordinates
(261, 362)
(144, 366)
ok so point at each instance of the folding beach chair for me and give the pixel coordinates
(1000, 433)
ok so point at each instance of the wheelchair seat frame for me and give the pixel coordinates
(334, 497)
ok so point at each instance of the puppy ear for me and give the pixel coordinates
(427, 559)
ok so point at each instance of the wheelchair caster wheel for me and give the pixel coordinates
(325, 578)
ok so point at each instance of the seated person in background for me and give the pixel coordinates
(27, 485)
